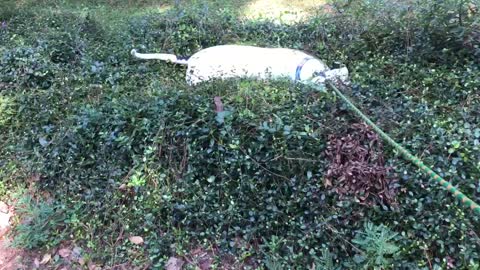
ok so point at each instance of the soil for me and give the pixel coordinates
(11, 258)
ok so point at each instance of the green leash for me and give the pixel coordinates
(407, 155)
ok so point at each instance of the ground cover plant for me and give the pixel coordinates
(120, 163)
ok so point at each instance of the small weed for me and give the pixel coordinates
(137, 180)
(378, 245)
(325, 262)
(38, 222)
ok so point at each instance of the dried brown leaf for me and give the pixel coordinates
(92, 266)
(46, 258)
(137, 240)
(36, 263)
(3, 207)
(64, 252)
(357, 168)
(174, 264)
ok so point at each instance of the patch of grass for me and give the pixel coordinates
(37, 222)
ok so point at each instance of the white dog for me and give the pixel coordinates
(234, 61)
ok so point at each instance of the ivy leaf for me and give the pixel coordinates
(211, 179)
(220, 118)
(358, 259)
(43, 142)
(456, 144)
(476, 133)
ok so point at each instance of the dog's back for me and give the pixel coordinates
(237, 61)
(231, 61)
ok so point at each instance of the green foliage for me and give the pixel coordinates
(8, 10)
(325, 262)
(126, 148)
(136, 180)
(26, 67)
(38, 228)
(426, 31)
(6, 110)
(376, 243)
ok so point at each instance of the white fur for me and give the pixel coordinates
(233, 61)
(160, 56)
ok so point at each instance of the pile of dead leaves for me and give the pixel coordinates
(357, 167)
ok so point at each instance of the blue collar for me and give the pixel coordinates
(300, 66)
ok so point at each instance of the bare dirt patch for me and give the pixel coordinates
(288, 11)
(10, 258)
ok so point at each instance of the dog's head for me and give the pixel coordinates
(335, 75)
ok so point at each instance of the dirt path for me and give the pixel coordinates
(10, 258)
(288, 10)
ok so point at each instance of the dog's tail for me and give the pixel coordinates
(160, 56)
